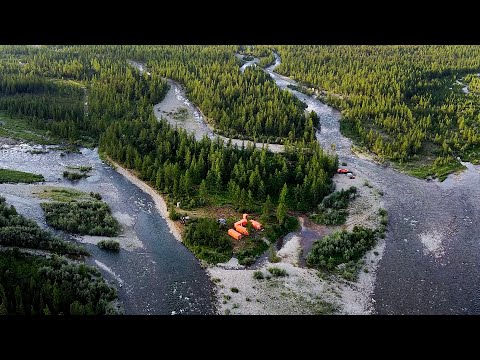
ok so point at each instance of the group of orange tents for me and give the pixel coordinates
(240, 228)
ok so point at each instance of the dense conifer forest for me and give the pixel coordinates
(46, 284)
(404, 103)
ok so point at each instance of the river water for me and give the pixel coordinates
(154, 273)
(430, 264)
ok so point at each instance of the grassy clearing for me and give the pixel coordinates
(424, 171)
(77, 212)
(421, 165)
(20, 129)
(247, 249)
(61, 194)
(14, 176)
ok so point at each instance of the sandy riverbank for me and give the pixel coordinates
(160, 203)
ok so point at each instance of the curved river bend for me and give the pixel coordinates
(154, 273)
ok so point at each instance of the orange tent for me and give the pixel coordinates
(242, 222)
(241, 230)
(234, 234)
(256, 225)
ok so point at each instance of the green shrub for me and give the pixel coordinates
(173, 214)
(73, 176)
(96, 196)
(277, 272)
(367, 184)
(258, 275)
(81, 217)
(331, 211)
(272, 256)
(108, 244)
(275, 231)
(247, 260)
(341, 247)
(234, 290)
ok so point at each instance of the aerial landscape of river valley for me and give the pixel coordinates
(145, 166)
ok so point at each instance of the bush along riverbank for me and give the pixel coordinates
(35, 279)
(14, 176)
(79, 213)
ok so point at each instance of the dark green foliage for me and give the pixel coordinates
(73, 176)
(341, 247)
(331, 211)
(52, 286)
(96, 196)
(109, 244)
(18, 231)
(258, 275)
(207, 241)
(34, 285)
(81, 217)
(234, 290)
(275, 231)
(282, 207)
(383, 222)
(173, 214)
(277, 272)
(14, 176)
(272, 255)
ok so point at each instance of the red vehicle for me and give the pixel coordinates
(342, 171)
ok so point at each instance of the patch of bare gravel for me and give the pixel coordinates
(432, 243)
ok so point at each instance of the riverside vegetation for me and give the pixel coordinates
(31, 284)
